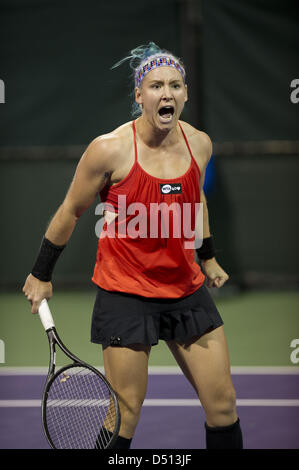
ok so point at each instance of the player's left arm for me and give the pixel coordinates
(216, 276)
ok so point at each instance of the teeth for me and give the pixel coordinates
(167, 114)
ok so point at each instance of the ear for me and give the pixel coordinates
(186, 90)
(138, 97)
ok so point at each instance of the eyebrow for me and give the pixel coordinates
(161, 81)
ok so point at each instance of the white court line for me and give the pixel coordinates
(235, 370)
(165, 402)
(240, 402)
(167, 370)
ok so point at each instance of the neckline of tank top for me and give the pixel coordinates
(162, 180)
(155, 177)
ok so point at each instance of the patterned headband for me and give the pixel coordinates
(154, 62)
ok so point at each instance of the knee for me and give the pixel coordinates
(227, 400)
(130, 406)
(222, 406)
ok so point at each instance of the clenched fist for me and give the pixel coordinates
(216, 276)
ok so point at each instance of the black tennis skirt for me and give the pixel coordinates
(121, 319)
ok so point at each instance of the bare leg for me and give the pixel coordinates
(205, 363)
(126, 368)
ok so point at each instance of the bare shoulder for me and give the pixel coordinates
(199, 141)
(105, 151)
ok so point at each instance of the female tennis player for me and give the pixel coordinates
(149, 173)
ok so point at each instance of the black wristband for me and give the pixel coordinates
(46, 260)
(207, 249)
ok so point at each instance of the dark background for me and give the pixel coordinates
(60, 93)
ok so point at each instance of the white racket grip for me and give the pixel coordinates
(45, 315)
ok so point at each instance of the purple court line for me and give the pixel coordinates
(18, 387)
(166, 428)
(183, 428)
(263, 427)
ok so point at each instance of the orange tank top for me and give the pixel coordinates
(146, 250)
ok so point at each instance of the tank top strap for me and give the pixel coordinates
(135, 145)
(187, 143)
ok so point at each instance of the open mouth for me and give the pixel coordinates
(166, 113)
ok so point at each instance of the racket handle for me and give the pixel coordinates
(45, 315)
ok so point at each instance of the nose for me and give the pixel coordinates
(166, 93)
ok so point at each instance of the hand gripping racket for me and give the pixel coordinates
(79, 408)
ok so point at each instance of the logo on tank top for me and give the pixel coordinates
(171, 188)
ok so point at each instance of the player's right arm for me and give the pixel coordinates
(92, 174)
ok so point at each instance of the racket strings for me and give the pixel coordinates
(80, 410)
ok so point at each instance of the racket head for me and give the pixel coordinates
(77, 403)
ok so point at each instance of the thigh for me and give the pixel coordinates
(126, 368)
(205, 363)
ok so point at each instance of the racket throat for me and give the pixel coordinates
(52, 363)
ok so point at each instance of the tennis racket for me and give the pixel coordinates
(79, 407)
